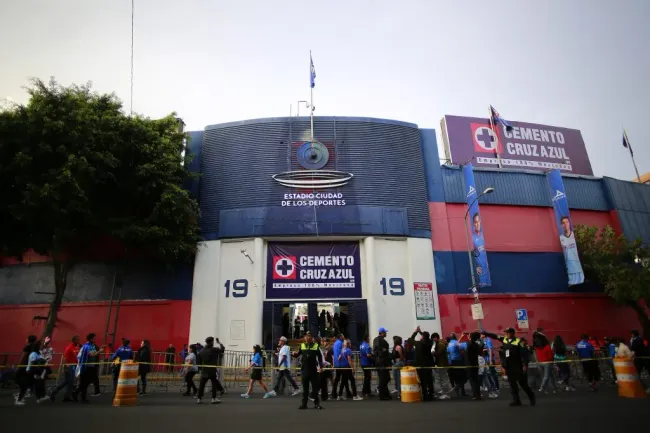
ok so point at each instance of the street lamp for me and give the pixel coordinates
(487, 190)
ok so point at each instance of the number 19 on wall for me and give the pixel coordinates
(238, 288)
(392, 286)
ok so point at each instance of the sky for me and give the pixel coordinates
(582, 64)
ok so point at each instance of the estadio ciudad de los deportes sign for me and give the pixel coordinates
(313, 182)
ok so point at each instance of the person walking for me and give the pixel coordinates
(515, 362)
(70, 359)
(560, 356)
(587, 355)
(284, 372)
(84, 371)
(380, 350)
(366, 360)
(544, 355)
(209, 358)
(311, 360)
(189, 370)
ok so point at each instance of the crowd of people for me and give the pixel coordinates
(450, 363)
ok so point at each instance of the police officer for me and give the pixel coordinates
(515, 362)
(380, 349)
(311, 361)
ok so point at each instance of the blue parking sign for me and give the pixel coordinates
(522, 314)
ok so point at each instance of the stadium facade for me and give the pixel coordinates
(364, 220)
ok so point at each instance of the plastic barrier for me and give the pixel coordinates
(127, 385)
(410, 386)
(629, 385)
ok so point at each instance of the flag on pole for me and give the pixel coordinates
(496, 117)
(312, 72)
(626, 143)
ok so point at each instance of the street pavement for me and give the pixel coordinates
(601, 412)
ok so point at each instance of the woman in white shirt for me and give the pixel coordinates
(190, 369)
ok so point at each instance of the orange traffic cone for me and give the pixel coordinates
(627, 377)
(127, 385)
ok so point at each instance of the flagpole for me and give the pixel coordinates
(629, 148)
(496, 139)
(311, 105)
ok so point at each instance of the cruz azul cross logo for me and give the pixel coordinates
(284, 268)
(484, 138)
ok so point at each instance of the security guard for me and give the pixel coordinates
(515, 362)
(380, 350)
(311, 361)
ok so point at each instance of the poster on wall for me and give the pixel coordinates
(314, 270)
(424, 304)
(479, 255)
(565, 228)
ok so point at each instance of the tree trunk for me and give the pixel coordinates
(642, 316)
(61, 269)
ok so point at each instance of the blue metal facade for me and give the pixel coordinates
(510, 272)
(632, 201)
(387, 195)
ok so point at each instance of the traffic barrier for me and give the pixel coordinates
(410, 386)
(126, 393)
(629, 385)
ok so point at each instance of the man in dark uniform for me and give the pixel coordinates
(515, 362)
(311, 361)
(380, 349)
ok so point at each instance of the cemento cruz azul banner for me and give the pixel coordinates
(317, 270)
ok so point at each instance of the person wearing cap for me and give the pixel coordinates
(284, 361)
(381, 350)
(515, 362)
(122, 354)
(311, 360)
(209, 358)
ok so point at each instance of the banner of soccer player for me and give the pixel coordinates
(479, 255)
(565, 228)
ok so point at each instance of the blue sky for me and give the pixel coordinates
(582, 64)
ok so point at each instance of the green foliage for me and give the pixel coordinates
(614, 262)
(79, 169)
(75, 169)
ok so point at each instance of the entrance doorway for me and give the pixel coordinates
(324, 319)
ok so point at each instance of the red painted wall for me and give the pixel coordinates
(566, 314)
(507, 228)
(160, 322)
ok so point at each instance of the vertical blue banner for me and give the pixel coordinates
(565, 228)
(479, 255)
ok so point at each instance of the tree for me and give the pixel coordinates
(78, 170)
(620, 266)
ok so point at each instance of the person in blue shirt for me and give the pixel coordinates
(336, 351)
(490, 361)
(610, 347)
(586, 353)
(256, 367)
(87, 354)
(123, 353)
(457, 360)
(365, 355)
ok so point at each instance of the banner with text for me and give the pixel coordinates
(565, 228)
(316, 270)
(526, 146)
(479, 255)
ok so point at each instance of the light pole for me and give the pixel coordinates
(487, 190)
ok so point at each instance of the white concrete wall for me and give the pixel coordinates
(237, 320)
(402, 263)
(226, 313)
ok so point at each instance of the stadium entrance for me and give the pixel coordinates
(322, 318)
